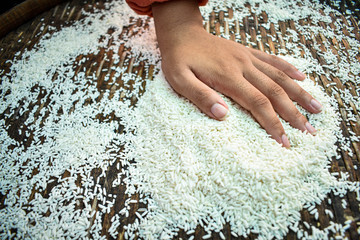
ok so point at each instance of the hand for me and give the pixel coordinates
(196, 63)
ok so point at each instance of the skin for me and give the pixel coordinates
(197, 63)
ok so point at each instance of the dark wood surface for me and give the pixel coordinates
(24, 12)
(68, 12)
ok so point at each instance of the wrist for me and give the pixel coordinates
(175, 18)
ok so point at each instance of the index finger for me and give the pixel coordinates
(249, 97)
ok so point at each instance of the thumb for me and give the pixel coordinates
(205, 98)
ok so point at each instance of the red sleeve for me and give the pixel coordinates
(143, 7)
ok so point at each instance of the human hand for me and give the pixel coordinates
(196, 63)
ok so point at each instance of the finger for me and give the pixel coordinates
(205, 98)
(293, 90)
(257, 104)
(278, 63)
(279, 99)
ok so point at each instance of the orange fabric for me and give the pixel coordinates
(143, 7)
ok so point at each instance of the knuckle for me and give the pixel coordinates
(289, 68)
(176, 85)
(245, 62)
(274, 58)
(297, 116)
(276, 91)
(281, 76)
(260, 101)
(300, 93)
(243, 58)
(227, 68)
(222, 69)
(177, 81)
(275, 123)
(200, 95)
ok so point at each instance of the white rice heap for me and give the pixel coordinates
(187, 169)
(201, 171)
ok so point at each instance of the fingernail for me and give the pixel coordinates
(219, 111)
(285, 141)
(315, 105)
(310, 128)
(300, 75)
